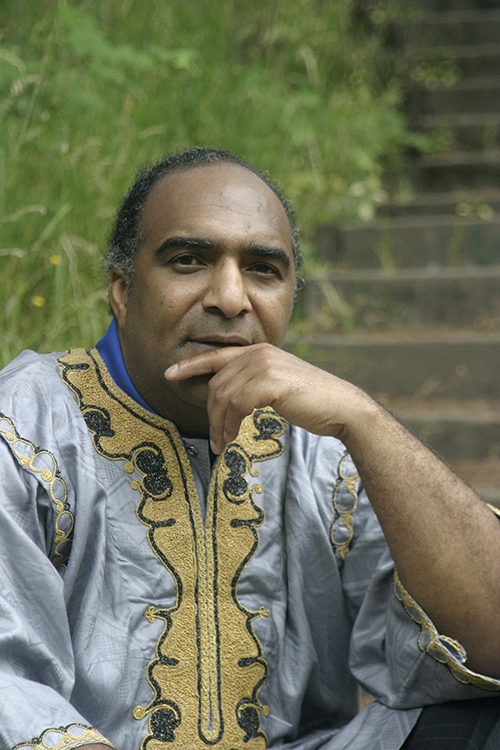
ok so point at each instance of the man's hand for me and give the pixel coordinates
(444, 540)
(251, 377)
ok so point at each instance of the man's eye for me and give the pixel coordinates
(265, 269)
(187, 259)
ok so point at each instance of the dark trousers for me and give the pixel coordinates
(458, 725)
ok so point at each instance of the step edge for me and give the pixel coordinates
(411, 222)
(429, 273)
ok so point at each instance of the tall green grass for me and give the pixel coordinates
(92, 90)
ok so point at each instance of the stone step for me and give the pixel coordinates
(452, 5)
(456, 170)
(483, 475)
(452, 27)
(418, 8)
(480, 203)
(465, 435)
(459, 365)
(478, 94)
(376, 299)
(466, 131)
(466, 60)
(415, 241)
(457, 431)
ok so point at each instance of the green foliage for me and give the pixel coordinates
(92, 90)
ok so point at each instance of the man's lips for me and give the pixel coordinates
(217, 341)
(195, 346)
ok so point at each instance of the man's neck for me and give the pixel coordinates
(191, 421)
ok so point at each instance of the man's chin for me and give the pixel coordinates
(194, 392)
(185, 405)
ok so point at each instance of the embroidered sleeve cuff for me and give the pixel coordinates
(65, 738)
(441, 647)
(496, 511)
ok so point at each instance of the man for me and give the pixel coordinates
(189, 558)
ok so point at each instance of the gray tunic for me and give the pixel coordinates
(149, 601)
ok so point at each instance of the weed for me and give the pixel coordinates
(91, 91)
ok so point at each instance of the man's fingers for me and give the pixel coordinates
(224, 418)
(232, 368)
(233, 394)
(203, 364)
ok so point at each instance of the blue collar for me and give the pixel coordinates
(111, 352)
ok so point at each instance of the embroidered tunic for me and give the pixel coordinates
(147, 601)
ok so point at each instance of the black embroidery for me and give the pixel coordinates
(236, 486)
(98, 422)
(246, 661)
(249, 720)
(268, 427)
(163, 722)
(150, 462)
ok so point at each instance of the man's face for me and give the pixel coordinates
(214, 268)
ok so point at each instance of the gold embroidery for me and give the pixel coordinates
(65, 738)
(495, 510)
(431, 642)
(262, 613)
(344, 515)
(28, 455)
(209, 666)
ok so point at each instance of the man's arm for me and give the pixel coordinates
(444, 540)
(36, 655)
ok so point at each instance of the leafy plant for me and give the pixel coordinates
(91, 91)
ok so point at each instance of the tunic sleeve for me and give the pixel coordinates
(36, 659)
(396, 653)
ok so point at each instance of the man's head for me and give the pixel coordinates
(124, 239)
(214, 267)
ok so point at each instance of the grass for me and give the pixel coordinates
(92, 90)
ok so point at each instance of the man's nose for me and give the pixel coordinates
(226, 290)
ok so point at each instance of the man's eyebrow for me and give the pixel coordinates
(271, 253)
(191, 242)
(253, 249)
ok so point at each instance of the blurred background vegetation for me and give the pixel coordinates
(90, 91)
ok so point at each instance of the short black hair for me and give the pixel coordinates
(123, 240)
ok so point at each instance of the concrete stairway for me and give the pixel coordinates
(412, 313)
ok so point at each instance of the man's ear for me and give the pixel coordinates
(117, 290)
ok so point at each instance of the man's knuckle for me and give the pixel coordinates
(217, 397)
(220, 392)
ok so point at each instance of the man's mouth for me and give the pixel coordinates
(218, 341)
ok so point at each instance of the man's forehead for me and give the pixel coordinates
(212, 175)
(207, 191)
